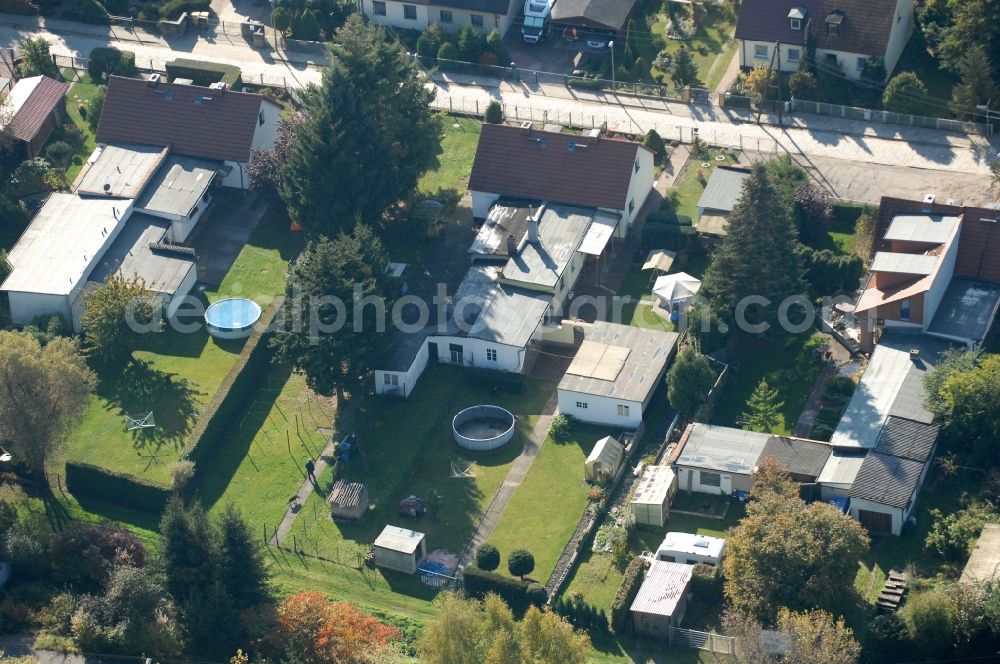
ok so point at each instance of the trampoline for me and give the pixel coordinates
(232, 318)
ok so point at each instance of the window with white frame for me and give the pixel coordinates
(491, 354)
(476, 20)
(861, 63)
(391, 379)
(378, 8)
(760, 50)
(795, 23)
(446, 16)
(583, 405)
(794, 54)
(622, 410)
(709, 479)
(410, 12)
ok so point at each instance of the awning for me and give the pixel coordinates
(600, 231)
(659, 259)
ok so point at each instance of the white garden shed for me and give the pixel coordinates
(654, 491)
(604, 460)
(400, 549)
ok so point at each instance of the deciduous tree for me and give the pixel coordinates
(759, 80)
(335, 340)
(906, 93)
(964, 390)
(688, 382)
(42, 392)
(312, 630)
(520, 563)
(976, 87)
(116, 315)
(266, 167)
(36, 59)
(367, 137)
(813, 212)
(785, 553)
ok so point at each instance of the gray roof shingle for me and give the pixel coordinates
(723, 189)
(887, 480)
(607, 13)
(907, 439)
(797, 455)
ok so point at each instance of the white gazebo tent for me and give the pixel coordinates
(604, 460)
(679, 287)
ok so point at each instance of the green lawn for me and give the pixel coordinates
(713, 42)
(788, 365)
(683, 196)
(458, 149)
(174, 374)
(83, 93)
(545, 510)
(840, 238)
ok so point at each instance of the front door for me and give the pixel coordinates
(432, 351)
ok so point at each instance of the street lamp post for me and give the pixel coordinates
(986, 109)
(611, 45)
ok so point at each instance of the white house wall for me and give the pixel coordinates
(941, 281)
(267, 131)
(689, 479)
(639, 186)
(482, 201)
(600, 409)
(178, 297)
(237, 177)
(858, 504)
(902, 29)
(394, 16)
(749, 59)
(401, 383)
(25, 307)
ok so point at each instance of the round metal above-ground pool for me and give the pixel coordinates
(481, 428)
(232, 318)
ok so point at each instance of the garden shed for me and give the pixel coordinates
(662, 599)
(400, 549)
(654, 491)
(348, 500)
(604, 460)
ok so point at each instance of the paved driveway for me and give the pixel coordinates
(221, 233)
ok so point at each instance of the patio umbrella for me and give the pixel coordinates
(676, 287)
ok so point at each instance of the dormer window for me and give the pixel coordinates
(834, 23)
(795, 18)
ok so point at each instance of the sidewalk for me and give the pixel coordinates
(826, 137)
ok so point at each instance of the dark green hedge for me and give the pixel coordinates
(174, 8)
(105, 59)
(706, 583)
(478, 584)
(203, 73)
(235, 392)
(658, 235)
(88, 480)
(631, 582)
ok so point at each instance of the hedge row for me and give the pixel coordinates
(706, 583)
(479, 583)
(632, 581)
(86, 479)
(203, 73)
(234, 393)
(107, 60)
(174, 8)
(657, 235)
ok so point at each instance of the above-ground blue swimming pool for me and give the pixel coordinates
(232, 318)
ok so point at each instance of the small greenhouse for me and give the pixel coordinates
(604, 461)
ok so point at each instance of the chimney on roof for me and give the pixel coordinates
(914, 354)
(511, 245)
(533, 235)
(154, 80)
(929, 203)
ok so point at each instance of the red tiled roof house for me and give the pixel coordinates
(847, 33)
(33, 110)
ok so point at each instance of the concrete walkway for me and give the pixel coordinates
(518, 471)
(308, 486)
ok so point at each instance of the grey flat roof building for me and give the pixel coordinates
(122, 171)
(966, 310)
(931, 229)
(561, 230)
(637, 372)
(178, 186)
(506, 218)
(134, 253)
(723, 189)
(722, 448)
(486, 309)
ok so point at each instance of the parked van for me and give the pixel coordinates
(536, 25)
